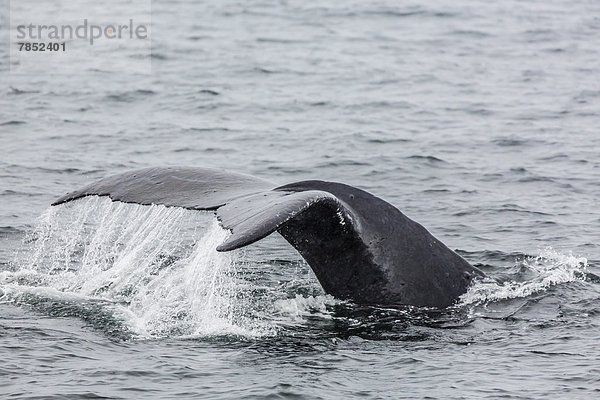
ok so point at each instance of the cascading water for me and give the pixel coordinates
(156, 268)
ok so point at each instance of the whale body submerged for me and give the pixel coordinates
(360, 247)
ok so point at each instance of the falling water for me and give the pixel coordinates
(155, 267)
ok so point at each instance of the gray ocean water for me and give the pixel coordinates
(479, 120)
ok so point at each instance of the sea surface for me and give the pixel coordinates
(478, 119)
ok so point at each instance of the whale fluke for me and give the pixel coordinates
(360, 247)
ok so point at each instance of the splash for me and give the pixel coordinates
(154, 271)
(548, 269)
(154, 267)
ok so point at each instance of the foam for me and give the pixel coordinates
(549, 268)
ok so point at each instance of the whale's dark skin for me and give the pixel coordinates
(360, 247)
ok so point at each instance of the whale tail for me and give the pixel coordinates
(359, 246)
